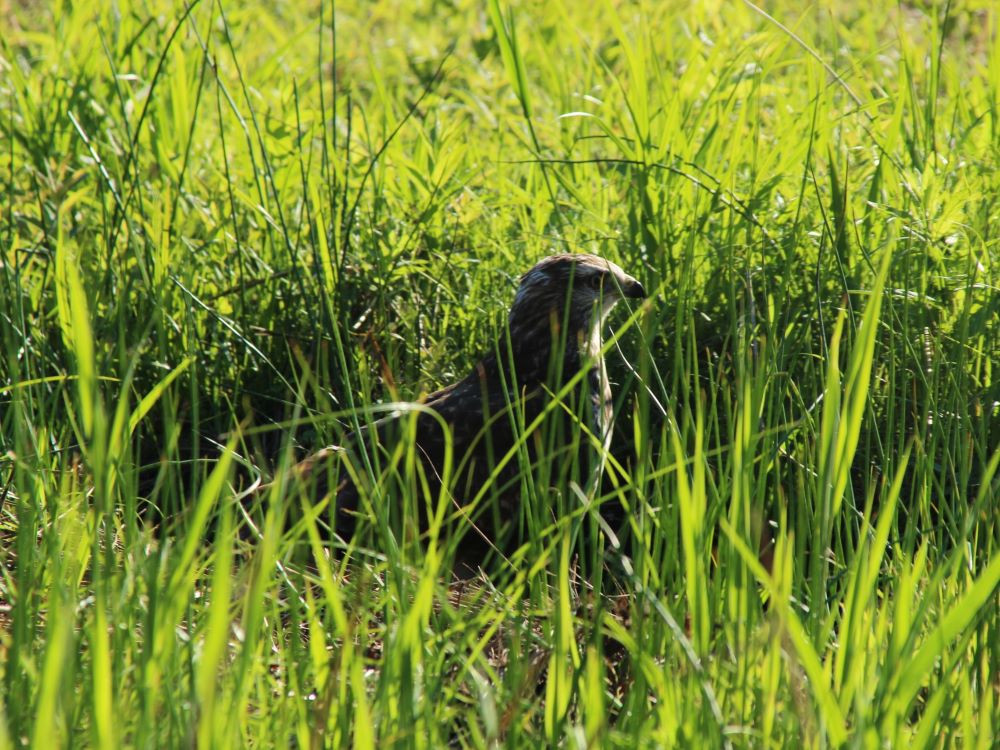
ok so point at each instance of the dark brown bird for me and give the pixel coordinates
(553, 330)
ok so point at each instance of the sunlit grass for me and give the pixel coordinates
(233, 233)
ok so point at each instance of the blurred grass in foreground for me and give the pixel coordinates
(228, 226)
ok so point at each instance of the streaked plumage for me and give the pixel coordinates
(554, 326)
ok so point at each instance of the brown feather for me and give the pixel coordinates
(553, 326)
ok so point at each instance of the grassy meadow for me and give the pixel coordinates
(232, 232)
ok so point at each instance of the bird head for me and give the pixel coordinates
(584, 287)
(577, 290)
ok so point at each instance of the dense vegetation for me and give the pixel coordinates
(231, 231)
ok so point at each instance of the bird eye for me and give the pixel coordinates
(594, 282)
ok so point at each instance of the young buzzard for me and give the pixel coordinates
(553, 330)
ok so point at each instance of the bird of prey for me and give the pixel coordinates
(553, 331)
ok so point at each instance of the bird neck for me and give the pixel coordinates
(556, 345)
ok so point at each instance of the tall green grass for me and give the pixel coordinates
(234, 232)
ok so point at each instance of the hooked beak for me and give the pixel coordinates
(633, 289)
